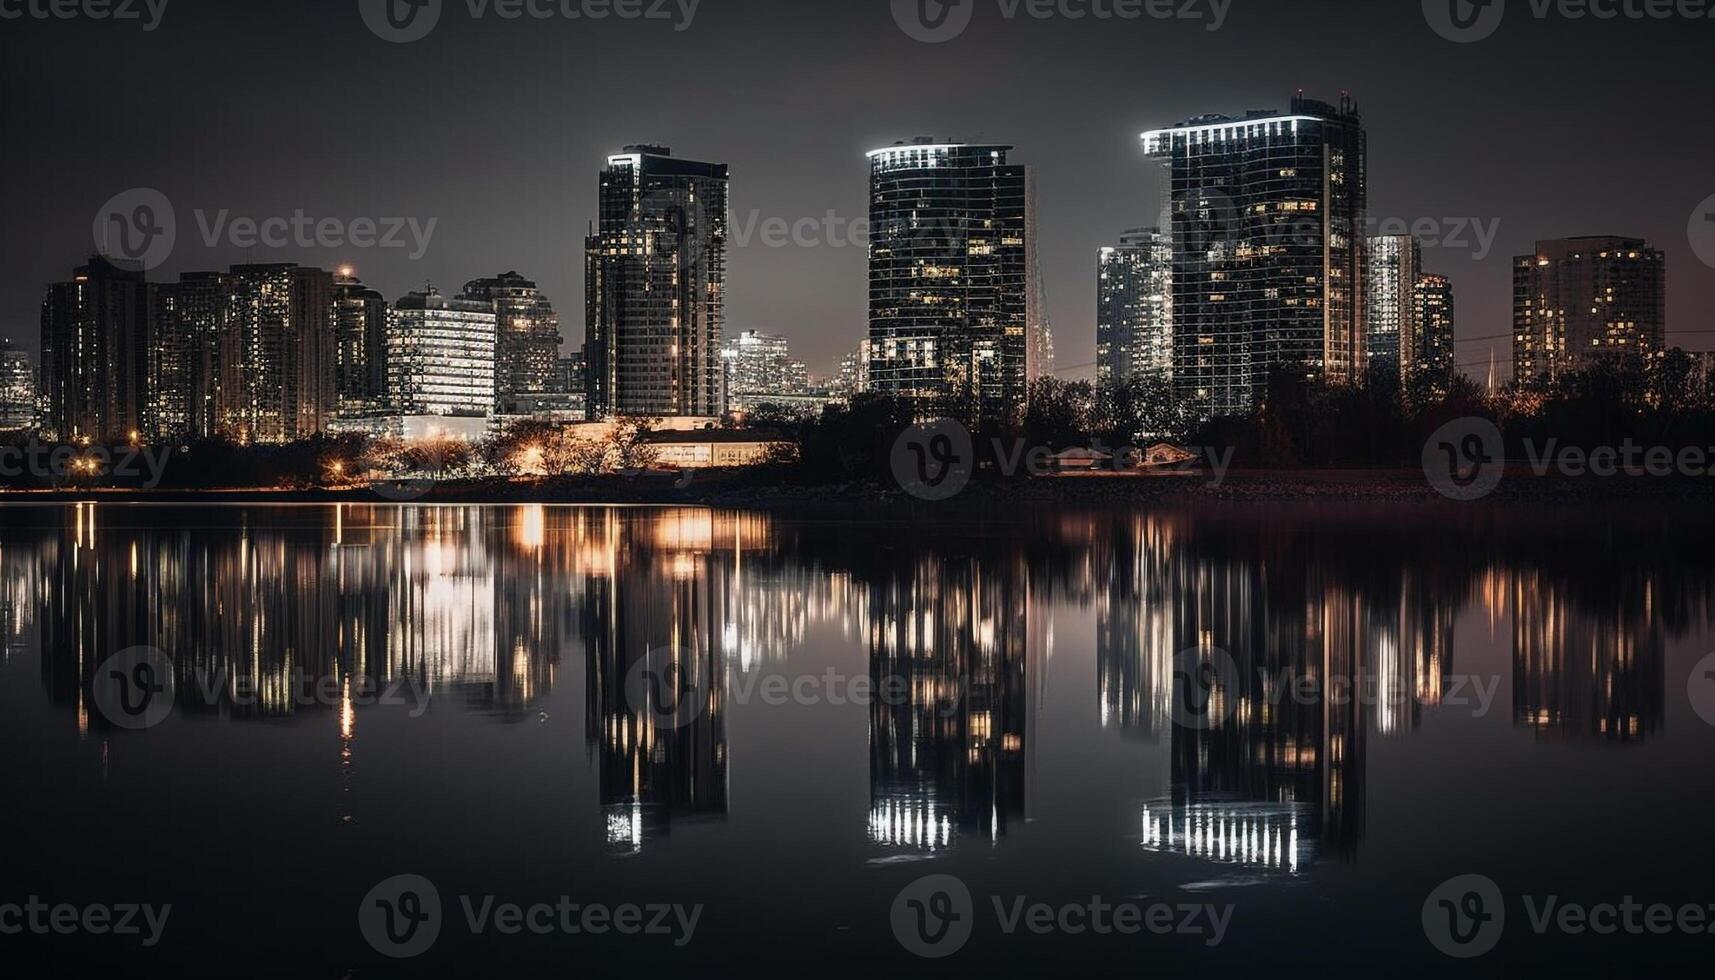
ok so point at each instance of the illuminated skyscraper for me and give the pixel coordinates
(276, 354)
(1390, 303)
(1134, 308)
(1578, 302)
(1268, 257)
(17, 388)
(440, 356)
(95, 341)
(1436, 359)
(527, 348)
(360, 315)
(656, 286)
(951, 274)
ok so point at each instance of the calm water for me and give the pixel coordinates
(1305, 718)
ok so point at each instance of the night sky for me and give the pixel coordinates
(497, 128)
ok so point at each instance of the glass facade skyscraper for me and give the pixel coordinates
(360, 315)
(527, 351)
(1390, 306)
(1134, 308)
(950, 274)
(1268, 257)
(656, 286)
(1578, 302)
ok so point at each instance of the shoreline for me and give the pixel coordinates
(737, 489)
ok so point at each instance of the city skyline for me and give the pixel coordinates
(1433, 157)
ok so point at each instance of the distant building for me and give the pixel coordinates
(760, 365)
(440, 357)
(854, 372)
(1268, 258)
(1436, 358)
(360, 324)
(528, 347)
(1390, 302)
(17, 388)
(951, 274)
(656, 285)
(95, 342)
(1578, 302)
(708, 448)
(1134, 308)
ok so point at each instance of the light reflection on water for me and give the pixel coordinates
(493, 609)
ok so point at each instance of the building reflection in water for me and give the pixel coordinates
(478, 603)
(265, 619)
(951, 644)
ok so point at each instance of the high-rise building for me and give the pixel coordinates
(854, 372)
(1578, 302)
(1390, 302)
(1435, 321)
(95, 343)
(360, 323)
(1134, 308)
(656, 286)
(760, 363)
(440, 356)
(1267, 223)
(17, 388)
(950, 274)
(277, 354)
(527, 350)
(189, 318)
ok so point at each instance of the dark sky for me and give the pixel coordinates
(497, 128)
